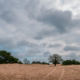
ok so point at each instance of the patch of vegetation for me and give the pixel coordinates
(55, 59)
(38, 62)
(70, 62)
(44, 63)
(6, 57)
(20, 62)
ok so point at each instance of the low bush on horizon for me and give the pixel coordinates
(70, 62)
(38, 62)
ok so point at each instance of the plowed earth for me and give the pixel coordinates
(39, 72)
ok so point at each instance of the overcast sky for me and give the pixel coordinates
(36, 29)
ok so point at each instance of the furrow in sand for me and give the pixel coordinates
(61, 75)
(50, 73)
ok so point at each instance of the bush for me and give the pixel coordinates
(70, 62)
(36, 62)
(20, 62)
(6, 57)
(44, 63)
(33, 62)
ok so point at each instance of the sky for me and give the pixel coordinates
(36, 29)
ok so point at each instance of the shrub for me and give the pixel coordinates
(44, 63)
(20, 62)
(70, 62)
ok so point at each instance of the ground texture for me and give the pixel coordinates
(39, 72)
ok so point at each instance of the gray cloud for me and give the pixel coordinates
(22, 22)
(71, 56)
(44, 44)
(32, 7)
(62, 21)
(46, 54)
(56, 18)
(7, 43)
(71, 48)
(46, 33)
(38, 37)
(27, 44)
(10, 43)
(32, 53)
(8, 16)
(54, 45)
(18, 55)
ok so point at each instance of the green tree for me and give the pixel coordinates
(20, 62)
(33, 62)
(44, 63)
(70, 62)
(55, 59)
(67, 62)
(26, 61)
(6, 57)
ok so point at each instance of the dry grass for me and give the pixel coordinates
(39, 72)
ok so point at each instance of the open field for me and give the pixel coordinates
(39, 72)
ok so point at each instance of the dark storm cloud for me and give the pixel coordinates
(18, 55)
(46, 54)
(71, 56)
(32, 53)
(7, 43)
(27, 44)
(71, 48)
(62, 21)
(54, 45)
(44, 44)
(57, 18)
(45, 33)
(9, 10)
(8, 16)
(32, 7)
(38, 37)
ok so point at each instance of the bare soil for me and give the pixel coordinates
(39, 72)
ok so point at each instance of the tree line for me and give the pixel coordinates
(70, 62)
(6, 57)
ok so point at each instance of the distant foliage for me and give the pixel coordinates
(44, 63)
(38, 62)
(6, 57)
(33, 62)
(55, 59)
(26, 61)
(70, 62)
(20, 62)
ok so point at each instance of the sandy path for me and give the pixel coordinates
(71, 73)
(56, 76)
(61, 74)
(50, 73)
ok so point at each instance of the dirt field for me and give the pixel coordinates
(39, 72)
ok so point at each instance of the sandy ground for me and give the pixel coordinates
(39, 72)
